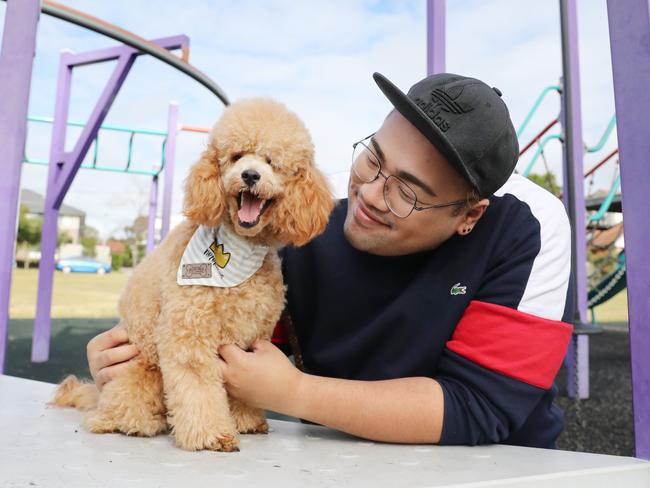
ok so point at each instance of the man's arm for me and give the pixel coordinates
(408, 410)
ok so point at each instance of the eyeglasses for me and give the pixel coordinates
(400, 198)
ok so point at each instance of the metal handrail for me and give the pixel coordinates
(607, 202)
(542, 144)
(536, 105)
(604, 137)
(115, 128)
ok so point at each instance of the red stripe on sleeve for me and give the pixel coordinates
(516, 344)
(280, 335)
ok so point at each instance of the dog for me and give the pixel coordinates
(254, 189)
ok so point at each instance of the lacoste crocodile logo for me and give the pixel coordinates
(458, 290)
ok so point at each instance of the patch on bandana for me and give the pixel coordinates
(219, 257)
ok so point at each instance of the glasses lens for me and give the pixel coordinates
(399, 197)
(364, 163)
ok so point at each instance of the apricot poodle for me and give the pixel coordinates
(215, 279)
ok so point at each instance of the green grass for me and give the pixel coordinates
(75, 295)
(613, 310)
(81, 295)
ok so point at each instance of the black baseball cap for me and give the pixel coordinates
(466, 120)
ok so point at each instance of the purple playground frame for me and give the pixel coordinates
(170, 150)
(629, 30)
(18, 49)
(64, 165)
(629, 34)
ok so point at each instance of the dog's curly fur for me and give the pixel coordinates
(175, 382)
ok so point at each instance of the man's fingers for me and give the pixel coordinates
(230, 352)
(110, 338)
(107, 374)
(261, 344)
(117, 354)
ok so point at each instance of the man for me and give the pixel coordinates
(430, 309)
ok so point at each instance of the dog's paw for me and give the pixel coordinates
(99, 423)
(197, 441)
(224, 443)
(103, 422)
(249, 420)
(261, 428)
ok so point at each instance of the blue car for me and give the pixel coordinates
(82, 264)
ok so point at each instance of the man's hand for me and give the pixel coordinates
(263, 378)
(108, 353)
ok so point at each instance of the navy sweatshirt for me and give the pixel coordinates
(482, 314)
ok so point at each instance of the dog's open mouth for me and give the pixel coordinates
(251, 208)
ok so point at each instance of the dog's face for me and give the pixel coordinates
(258, 172)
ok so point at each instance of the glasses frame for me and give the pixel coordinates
(386, 177)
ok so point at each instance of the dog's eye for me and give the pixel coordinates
(236, 157)
(268, 160)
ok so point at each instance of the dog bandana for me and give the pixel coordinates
(216, 256)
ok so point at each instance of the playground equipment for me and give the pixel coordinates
(15, 61)
(614, 282)
(629, 26)
(155, 171)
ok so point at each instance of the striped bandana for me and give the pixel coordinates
(219, 257)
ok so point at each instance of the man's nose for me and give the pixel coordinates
(250, 177)
(373, 194)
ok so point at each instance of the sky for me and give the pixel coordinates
(315, 56)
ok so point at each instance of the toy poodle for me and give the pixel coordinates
(215, 279)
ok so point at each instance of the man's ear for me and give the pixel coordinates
(471, 216)
(204, 195)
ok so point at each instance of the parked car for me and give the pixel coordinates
(82, 264)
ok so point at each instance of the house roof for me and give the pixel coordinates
(35, 203)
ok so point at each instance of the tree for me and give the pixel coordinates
(89, 239)
(547, 181)
(28, 236)
(29, 228)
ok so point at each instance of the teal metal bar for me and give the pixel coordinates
(607, 202)
(604, 137)
(542, 144)
(536, 105)
(33, 118)
(152, 172)
(108, 127)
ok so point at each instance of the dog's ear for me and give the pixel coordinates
(204, 194)
(305, 207)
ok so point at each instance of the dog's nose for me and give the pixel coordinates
(250, 177)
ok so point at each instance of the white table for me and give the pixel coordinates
(47, 447)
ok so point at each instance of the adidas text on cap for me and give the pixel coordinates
(466, 120)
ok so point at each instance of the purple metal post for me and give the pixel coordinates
(435, 36)
(629, 33)
(574, 189)
(16, 58)
(41, 335)
(170, 153)
(151, 221)
(63, 166)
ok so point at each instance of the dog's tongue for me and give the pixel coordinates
(250, 207)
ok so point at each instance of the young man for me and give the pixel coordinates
(430, 309)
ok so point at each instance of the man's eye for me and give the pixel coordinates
(372, 162)
(406, 194)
